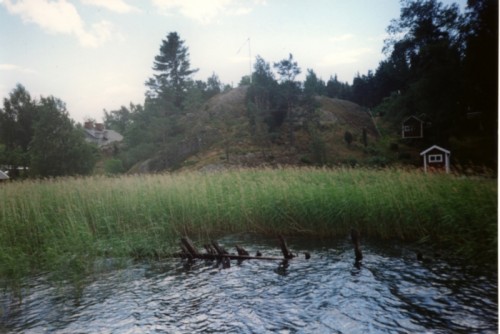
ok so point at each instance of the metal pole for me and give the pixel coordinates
(250, 59)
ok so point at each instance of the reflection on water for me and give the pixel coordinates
(390, 292)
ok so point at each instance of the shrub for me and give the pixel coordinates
(114, 166)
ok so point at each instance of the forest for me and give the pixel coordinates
(441, 66)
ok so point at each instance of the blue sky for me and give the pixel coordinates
(97, 54)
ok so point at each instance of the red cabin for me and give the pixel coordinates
(436, 157)
(412, 127)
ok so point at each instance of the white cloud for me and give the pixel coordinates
(341, 38)
(16, 68)
(199, 10)
(100, 33)
(239, 59)
(59, 17)
(118, 6)
(204, 11)
(349, 56)
(241, 11)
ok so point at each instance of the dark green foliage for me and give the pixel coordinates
(287, 69)
(313, 85)
(41, 136)
(57, 148)
(273, 103)
(213, 86)
(162, 128)
(338, 90)
(442, 66)
(173, 68)
(114, 166)
(263, 94)
(318, 149)
(244, 81)
(16, 126)
(118, 120)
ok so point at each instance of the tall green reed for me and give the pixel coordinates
(63, 225)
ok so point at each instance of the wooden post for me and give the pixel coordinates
(355, 240)
(241, 250)
(220, 250)
(284, 248)
(190, 247)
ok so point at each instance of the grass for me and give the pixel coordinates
(64, 225)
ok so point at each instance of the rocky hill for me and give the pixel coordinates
(221, 136)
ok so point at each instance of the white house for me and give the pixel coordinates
(3, 176)
(97, 134)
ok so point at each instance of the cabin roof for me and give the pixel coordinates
(434, 147)
(414, 117)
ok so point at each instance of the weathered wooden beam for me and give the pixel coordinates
(189, 247)
(355, 237)
(219, 249)
(241, 250)
(287, 254)
(214, 251)
(233, 257)
(209, 249)
(185, 253)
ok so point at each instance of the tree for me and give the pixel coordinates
(289, 93)
(313, 85)
(287, 69)
(118, 120)
(336, 89)
(16, 126)
(214, 86)
(481, 73)
(244, 81)
(57, 147)
(425, 59)
(174, 70)
(262, 93)
(348, 137)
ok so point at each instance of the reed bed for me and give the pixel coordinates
(64, 225)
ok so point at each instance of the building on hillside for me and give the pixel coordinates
(412, 127)
(436, 158)
(97, 134)
(3, 176)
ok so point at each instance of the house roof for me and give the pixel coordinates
(415, 117)
(3, 176)
(434, 147)
(102, 137)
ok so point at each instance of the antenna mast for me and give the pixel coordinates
(250, 60)
(249, 56)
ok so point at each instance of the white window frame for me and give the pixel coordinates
(435, 158)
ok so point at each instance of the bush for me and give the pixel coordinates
(379, 161)
(114, 166)
(348, 137)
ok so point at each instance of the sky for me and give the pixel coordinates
(96, 55)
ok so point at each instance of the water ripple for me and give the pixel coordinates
(389, 293)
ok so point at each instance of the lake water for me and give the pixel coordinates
(390, 292)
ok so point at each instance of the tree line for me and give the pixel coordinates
(441, 66)
(38, 139)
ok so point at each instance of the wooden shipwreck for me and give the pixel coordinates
(214, 251)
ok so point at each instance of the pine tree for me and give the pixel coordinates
(173, 68)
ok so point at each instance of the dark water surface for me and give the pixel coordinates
(391, 292)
